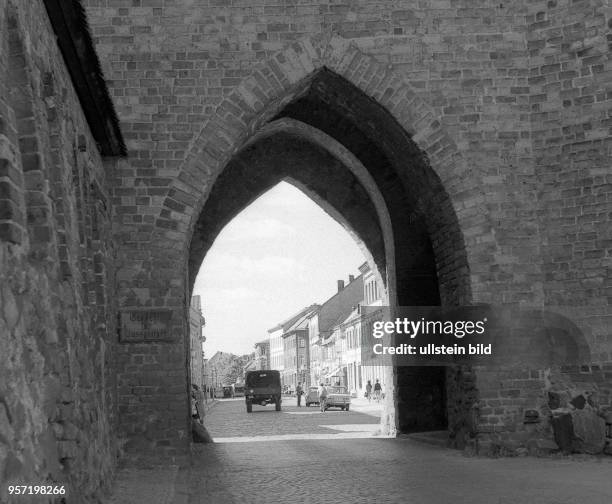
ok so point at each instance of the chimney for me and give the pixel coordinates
(340, 285)
(351, 278)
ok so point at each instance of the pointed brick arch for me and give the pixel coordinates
(326, 77)
(283, 78)
(432, 269)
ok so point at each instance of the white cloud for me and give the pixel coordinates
(223, 266)
(235, 293)
(280, 254)
(254, 228)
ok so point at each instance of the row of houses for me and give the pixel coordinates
(324, 343)
(197, 339)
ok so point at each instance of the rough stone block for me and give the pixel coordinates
(589, 431)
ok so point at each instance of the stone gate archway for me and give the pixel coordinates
(406, 161)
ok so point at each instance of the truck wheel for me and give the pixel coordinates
(249, 406)
(278, 404)
(347, 407)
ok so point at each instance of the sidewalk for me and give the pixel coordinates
(362, 405)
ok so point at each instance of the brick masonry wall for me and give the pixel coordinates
(571, 81)
(569, 109)
(56, 273)
(170, 65)
(509, 100)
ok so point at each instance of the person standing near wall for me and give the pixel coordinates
(322, 392)
(377, 390)
(298, 392)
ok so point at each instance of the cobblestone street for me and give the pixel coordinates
(314, 470)
(386, 471)
(288, 457)
(229, 421)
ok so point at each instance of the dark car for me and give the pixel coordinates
(312, 396)
(262, 387)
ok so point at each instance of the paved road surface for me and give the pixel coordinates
(387, 471)
(228, 421)
(314, 470)
(304, 456)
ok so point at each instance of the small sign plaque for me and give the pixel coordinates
(145, 325)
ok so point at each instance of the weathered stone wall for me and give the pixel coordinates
(56, 273)
(508, 101)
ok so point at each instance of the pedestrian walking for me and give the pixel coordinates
(298, 392)
(322, 392)
(369, 391)
(377, 390)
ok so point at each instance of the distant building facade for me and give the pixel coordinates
(373, 296)
(351, 351)
(280, 350)
(262, 354)
(277, 360)
(207, 377)
(355, 330)
(197, 338)
(296, 351)
(325, 345)
(251, 365)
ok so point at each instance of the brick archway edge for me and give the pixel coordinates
(274, 84)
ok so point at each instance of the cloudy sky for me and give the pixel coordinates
(282, 253)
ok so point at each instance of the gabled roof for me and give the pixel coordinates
(335, 310)
(301, 323)
(291, 320)
(354, 315)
